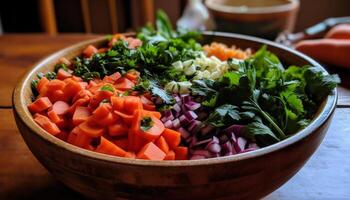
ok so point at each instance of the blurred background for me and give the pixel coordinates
(109, 16)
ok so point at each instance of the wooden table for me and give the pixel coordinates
(325, 176)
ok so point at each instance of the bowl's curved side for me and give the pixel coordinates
(246, 176)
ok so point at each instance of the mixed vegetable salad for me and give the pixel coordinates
(164, 96)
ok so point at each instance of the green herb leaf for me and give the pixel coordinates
(259, 132)
(146, 123)
(107, 87)
(224, 116)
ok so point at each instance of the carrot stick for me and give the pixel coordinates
(90, 130)
(161, 143)
(151, 152)
(181, 153)
(108, 147)
(122, 143)
(63, 74)
(118, 129)
(46, 124)
(155, 131)
(170, 155)
(80, 115)
(40, 105)
(172, 137)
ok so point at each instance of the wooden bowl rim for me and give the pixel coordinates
(287, 7)
(325, 111)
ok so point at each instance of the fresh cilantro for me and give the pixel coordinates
(224, 115)
(146, 123)
(259, 132)
(107, 87)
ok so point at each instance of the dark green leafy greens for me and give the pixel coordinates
(272, 101)
(146, 123)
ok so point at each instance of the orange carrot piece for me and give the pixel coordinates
(82, 140)
(122, 143)
(107, 147)
(98, 97)
(101, 112)
(42, 83)
(152, 113)
(155, 131)
(132, 75)
(170, 155)
(181, 153)
(118, 103)
(56, 95)
(124, 84)
(130, 155)
(132, 103)
(40, 105)
(161, 143)
(82, 94)
(55, 85)
(73, 135)
(46, 124)
(126, 118)
(54, 117)
(63, 74)
(60, 107)
(79, 102)
(117, 129)
(63, 135)
(71, 89)
(151, 152)
(172, 137)
(81, 114)
(89, 51)
(91, 130)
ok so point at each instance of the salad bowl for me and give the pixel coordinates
(249, 175)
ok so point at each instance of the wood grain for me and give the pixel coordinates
(19, 52)
(325, 176)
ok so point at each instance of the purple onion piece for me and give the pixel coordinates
(184, 120)
(177, 108)
(186, 98)
(203, 142)
(214, 148)
(167, 115)
(193, 126)
(184, 134)
(176, 123)
(248, 149)
(192, 105)
(177, 98)
(236, 129)
(233, 138)
(202, 153)
(240, 145)
(223, 139)
(191, 115)
(226, 148)
(168, 124)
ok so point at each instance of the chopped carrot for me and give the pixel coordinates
(155, 131)
(46, 124)
(89, 51)
(55, 85)
(117, 129)
(82, 94)
(71, 89)
(130, 155)
(63, 135)
(181, 153)
(79, 102)
(65, 61)
(73, 135)
(56, 95)
(124, 84)
(60, 107)
(98, 97)
(101, 112)
(132, 75)
(118, 103)
(108, 147)
(63, 74)
(172, 137)
(147, 104)
(54, 117)
(151, 152)
(122, 143)
(82, 140)
(80, 115)
(126, 118)
(42, 83)
(90, 130)
(170, 155)
(132, 103)
(152, 113)
(40, 105)
(161, 143)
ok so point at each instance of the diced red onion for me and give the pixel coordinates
(208, 128)
(202, 153)
(184, 120)
(168, 124)
(177, 98)
(186, 98)
(248, 149)
(191, 115)
(193, 126)
(191, 105)
(240, 144)
(177, 108)
(236, 129)
(176, 123)
(226, 147)
(167, 115)
(184, 134)
(203, 142)
(214, 147)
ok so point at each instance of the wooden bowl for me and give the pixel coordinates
(262, 18)
(245, 176)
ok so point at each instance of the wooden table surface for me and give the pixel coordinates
(325, 176)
